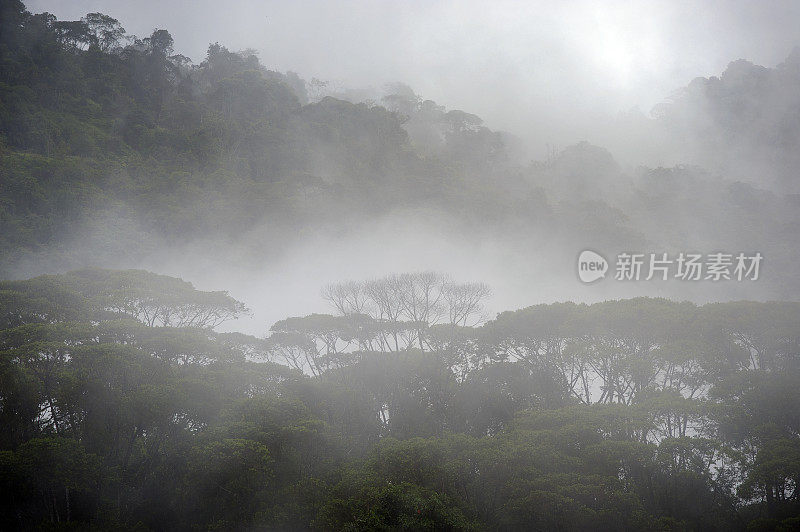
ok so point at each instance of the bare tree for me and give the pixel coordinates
(465, 303)
(405, 306)
(386, 294)
(422, 299)
(350, 297)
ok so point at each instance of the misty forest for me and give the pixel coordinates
(381, 378)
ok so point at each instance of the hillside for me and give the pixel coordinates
(114, 148)
(235, 299)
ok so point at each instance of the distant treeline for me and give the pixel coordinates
(114, 147)
(121, 408)
(107, 138)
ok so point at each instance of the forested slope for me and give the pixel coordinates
(408, 407)
(122, 409)
(115, 148)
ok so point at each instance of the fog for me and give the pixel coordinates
(553, 76)
(553, 73)
(399, 265)
(545, 273)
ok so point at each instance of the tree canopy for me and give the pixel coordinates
(628, 414)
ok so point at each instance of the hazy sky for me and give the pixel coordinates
(549, 72)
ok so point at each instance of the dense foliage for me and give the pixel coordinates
(115, 150)
(116, 139)
(121, 406)
(633, 414)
